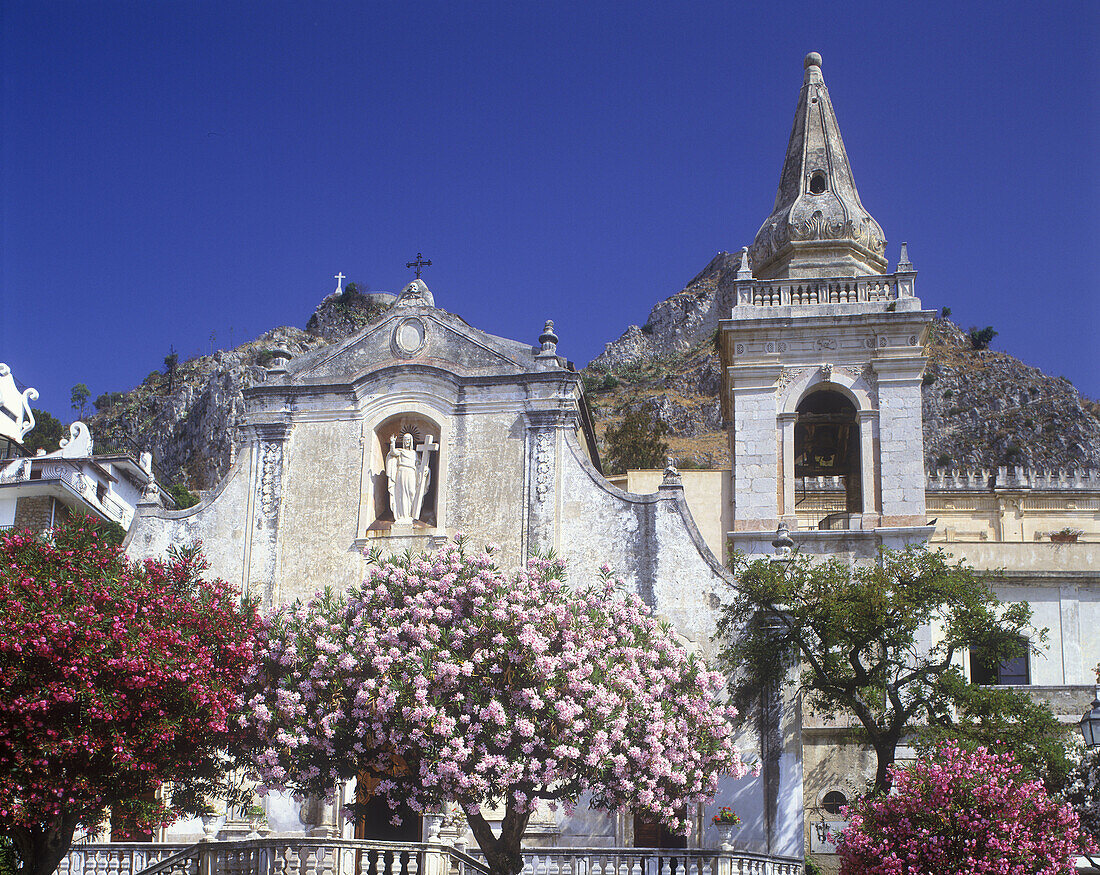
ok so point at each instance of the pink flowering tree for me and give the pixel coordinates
(490, 689)
(960, 811)
(117, 678)
(1082, 793)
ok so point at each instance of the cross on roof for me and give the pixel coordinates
(419, 264)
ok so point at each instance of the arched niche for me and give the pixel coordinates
(423, 429)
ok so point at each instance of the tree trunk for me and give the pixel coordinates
(505, 854)
(42, 850)
(885, 753)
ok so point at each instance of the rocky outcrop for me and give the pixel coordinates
(984, 408)
(191, 422)
(679, 323)
(342, 315)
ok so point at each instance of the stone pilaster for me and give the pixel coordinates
(754, 447)
(268, 449)
(541, 480)
(901, 456)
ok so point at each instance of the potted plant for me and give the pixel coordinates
(724, 821)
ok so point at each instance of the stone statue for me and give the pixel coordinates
(409, 476)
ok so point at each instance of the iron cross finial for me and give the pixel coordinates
(419, 264)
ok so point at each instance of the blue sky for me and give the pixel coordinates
(171, 170)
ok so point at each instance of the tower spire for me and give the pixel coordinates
(818, 226)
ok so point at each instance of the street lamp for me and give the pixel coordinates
(1090, 723)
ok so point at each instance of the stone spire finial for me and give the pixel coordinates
(904, 264)
(818, 226)
(549, 340)
(744, 271)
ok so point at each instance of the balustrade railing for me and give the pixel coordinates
(117, 858)
(787, 292)
(648, 861)
(328, 856)
(271, 856)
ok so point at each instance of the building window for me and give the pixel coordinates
(818, 183)
(1015, 670)
(833, 801)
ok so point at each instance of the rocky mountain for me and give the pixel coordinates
(190, 421)
(981, 407)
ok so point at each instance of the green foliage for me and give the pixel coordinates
(171, 364)
(928, 379)
(992, 716)
(110, 532)
(79, 398)
(812, 868)
(850, 636)
(943, 460)
(690, 464)
(635, 443)
(8, 860)
(945, 313)
(265, 357)
(46, 434)
(980, 338)
(108, 400)
(610, 381)
(184, 498)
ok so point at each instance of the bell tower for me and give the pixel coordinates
(822, 358)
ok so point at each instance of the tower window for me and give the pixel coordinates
(817, 182)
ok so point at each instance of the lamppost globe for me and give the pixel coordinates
(1090, 723)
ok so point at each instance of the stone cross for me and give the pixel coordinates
(419, 264)
(339, 282)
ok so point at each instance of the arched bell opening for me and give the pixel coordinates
(826, 450)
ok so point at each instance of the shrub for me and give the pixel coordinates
(184, 498)
(959, 811)
(980, 337)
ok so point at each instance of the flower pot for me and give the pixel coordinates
(725, 835)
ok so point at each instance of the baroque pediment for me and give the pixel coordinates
(420, 335)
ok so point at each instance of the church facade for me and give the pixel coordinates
(422, 427)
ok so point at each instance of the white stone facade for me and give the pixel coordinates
(514, 466)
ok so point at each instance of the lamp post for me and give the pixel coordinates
(1090, 722)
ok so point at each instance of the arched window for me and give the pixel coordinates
(826, 445)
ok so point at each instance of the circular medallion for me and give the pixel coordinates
(409, 336)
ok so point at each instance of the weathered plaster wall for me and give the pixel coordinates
(218, 521)
(320, 509)
(485, 486)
